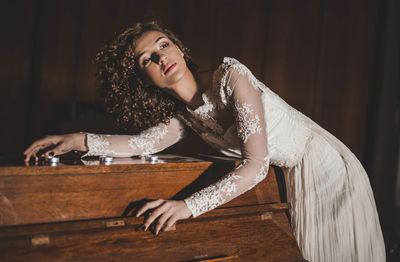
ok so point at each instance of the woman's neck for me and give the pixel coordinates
(188, 90)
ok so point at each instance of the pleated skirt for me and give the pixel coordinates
(333, 212)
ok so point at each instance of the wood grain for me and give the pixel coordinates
(250, 238)
(87, 192)
(86, 213)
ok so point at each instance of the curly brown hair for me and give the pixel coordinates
(133, 105)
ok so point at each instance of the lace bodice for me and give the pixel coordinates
(240, 117)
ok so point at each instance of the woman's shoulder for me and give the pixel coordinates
(223, 74)
(229, 67)
(215, 82)
(226, 65)
(216, 76)
(229, 63)
(232, 72)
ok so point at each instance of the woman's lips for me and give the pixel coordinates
(169, 67)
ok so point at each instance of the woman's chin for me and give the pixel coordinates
(174, 77)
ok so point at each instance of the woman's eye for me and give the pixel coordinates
(146, 61)
(164, 45)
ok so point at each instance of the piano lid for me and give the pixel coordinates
(74, 159)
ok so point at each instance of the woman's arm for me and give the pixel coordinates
(247, 105)
(62, 144)
(246, 101)
(149, 141)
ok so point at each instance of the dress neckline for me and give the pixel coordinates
(203, 109)
(208, 86)
(214, 85)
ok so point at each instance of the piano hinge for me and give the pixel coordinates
(266, 215)
(115, 223)
(40, 240)
(204, 258)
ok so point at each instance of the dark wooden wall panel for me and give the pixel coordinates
(316, 54)
(344, 70)
(101, 19)
(163, 11)
(241, 33)
(18, 24)
(199, 35)
(59, 45)
(56, 64)
(291, 51)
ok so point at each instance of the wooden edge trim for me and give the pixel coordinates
(136, 222)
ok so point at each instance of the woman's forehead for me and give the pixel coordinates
(147, 40)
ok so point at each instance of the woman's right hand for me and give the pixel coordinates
(63, 144)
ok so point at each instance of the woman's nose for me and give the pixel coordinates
(158, 58)
(163, 60)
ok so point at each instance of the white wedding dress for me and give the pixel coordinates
(333, 212)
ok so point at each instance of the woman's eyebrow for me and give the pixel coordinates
(158, 39)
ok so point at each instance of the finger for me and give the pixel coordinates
(32, 154)
(32, 151)
(27, 158)
(171, 221)
(30, 148)
(149, 205)
(36, 157)
(35, 144)
(164, 217)
(155, 214)
(44, 142)
(58, 150)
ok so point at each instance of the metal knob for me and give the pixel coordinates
(53, 160)
(105, 160)
(151, 158)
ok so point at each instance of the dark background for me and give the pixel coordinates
(336, 61)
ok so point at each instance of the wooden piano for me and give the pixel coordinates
(74, 211)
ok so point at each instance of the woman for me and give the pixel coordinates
(148, 81)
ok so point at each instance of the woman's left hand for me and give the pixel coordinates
(167, 212)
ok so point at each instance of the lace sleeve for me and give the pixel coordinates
(152, 140)
(245, 98)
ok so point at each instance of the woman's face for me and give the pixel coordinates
(159, 59)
